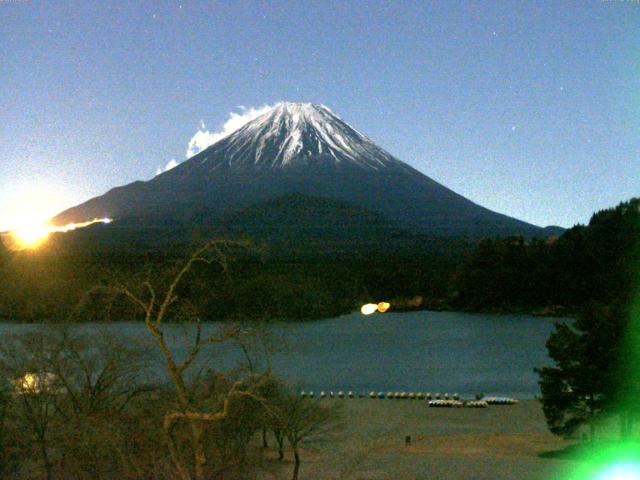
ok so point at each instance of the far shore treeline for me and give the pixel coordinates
(301, 275)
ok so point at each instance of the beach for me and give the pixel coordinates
(498, 442)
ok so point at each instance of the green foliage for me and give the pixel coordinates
(589, 376)
(596, 358)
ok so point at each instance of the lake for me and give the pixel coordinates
(418, 351)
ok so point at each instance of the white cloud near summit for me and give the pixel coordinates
(203, 138)
(170, 164)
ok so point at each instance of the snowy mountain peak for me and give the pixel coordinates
(302, 108)
(302, 149)
(301, 111)
(298, 134)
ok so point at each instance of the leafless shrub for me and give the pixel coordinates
(68, 393)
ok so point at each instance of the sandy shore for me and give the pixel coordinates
(499, 442)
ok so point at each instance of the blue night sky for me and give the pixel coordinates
(528, 108)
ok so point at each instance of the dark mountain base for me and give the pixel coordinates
(288, 278)
(293, 273)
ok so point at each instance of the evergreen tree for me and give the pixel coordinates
(589, 378)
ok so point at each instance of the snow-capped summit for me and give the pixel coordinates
(299, 134)
(297, 148)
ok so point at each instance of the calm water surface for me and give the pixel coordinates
(417, 351)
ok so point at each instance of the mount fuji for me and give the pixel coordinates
(297, 149)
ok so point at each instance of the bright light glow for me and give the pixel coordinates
(620, 471)
(383, 307)
(31, 204)
(617, 460)
(369, 308)
(27, 383)
(73, 226)
(31, 235)
(35, 383)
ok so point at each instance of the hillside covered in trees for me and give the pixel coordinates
(301, 275)
(597, 262)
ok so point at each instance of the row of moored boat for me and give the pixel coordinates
(435, 400)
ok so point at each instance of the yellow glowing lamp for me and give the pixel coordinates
(383, 307)
(369, 308)
(29, 383)
(36, 383)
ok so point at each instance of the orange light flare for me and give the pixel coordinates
(32, 235)
(383, 307)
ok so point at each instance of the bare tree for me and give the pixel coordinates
(230, 437)
(63, 382)
(275, 418)
(257, 343)
(8, 449)
(155, 305)
(98, 374)
(22, 360)
(301, 421)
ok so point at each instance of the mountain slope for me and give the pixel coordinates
(298, 148)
